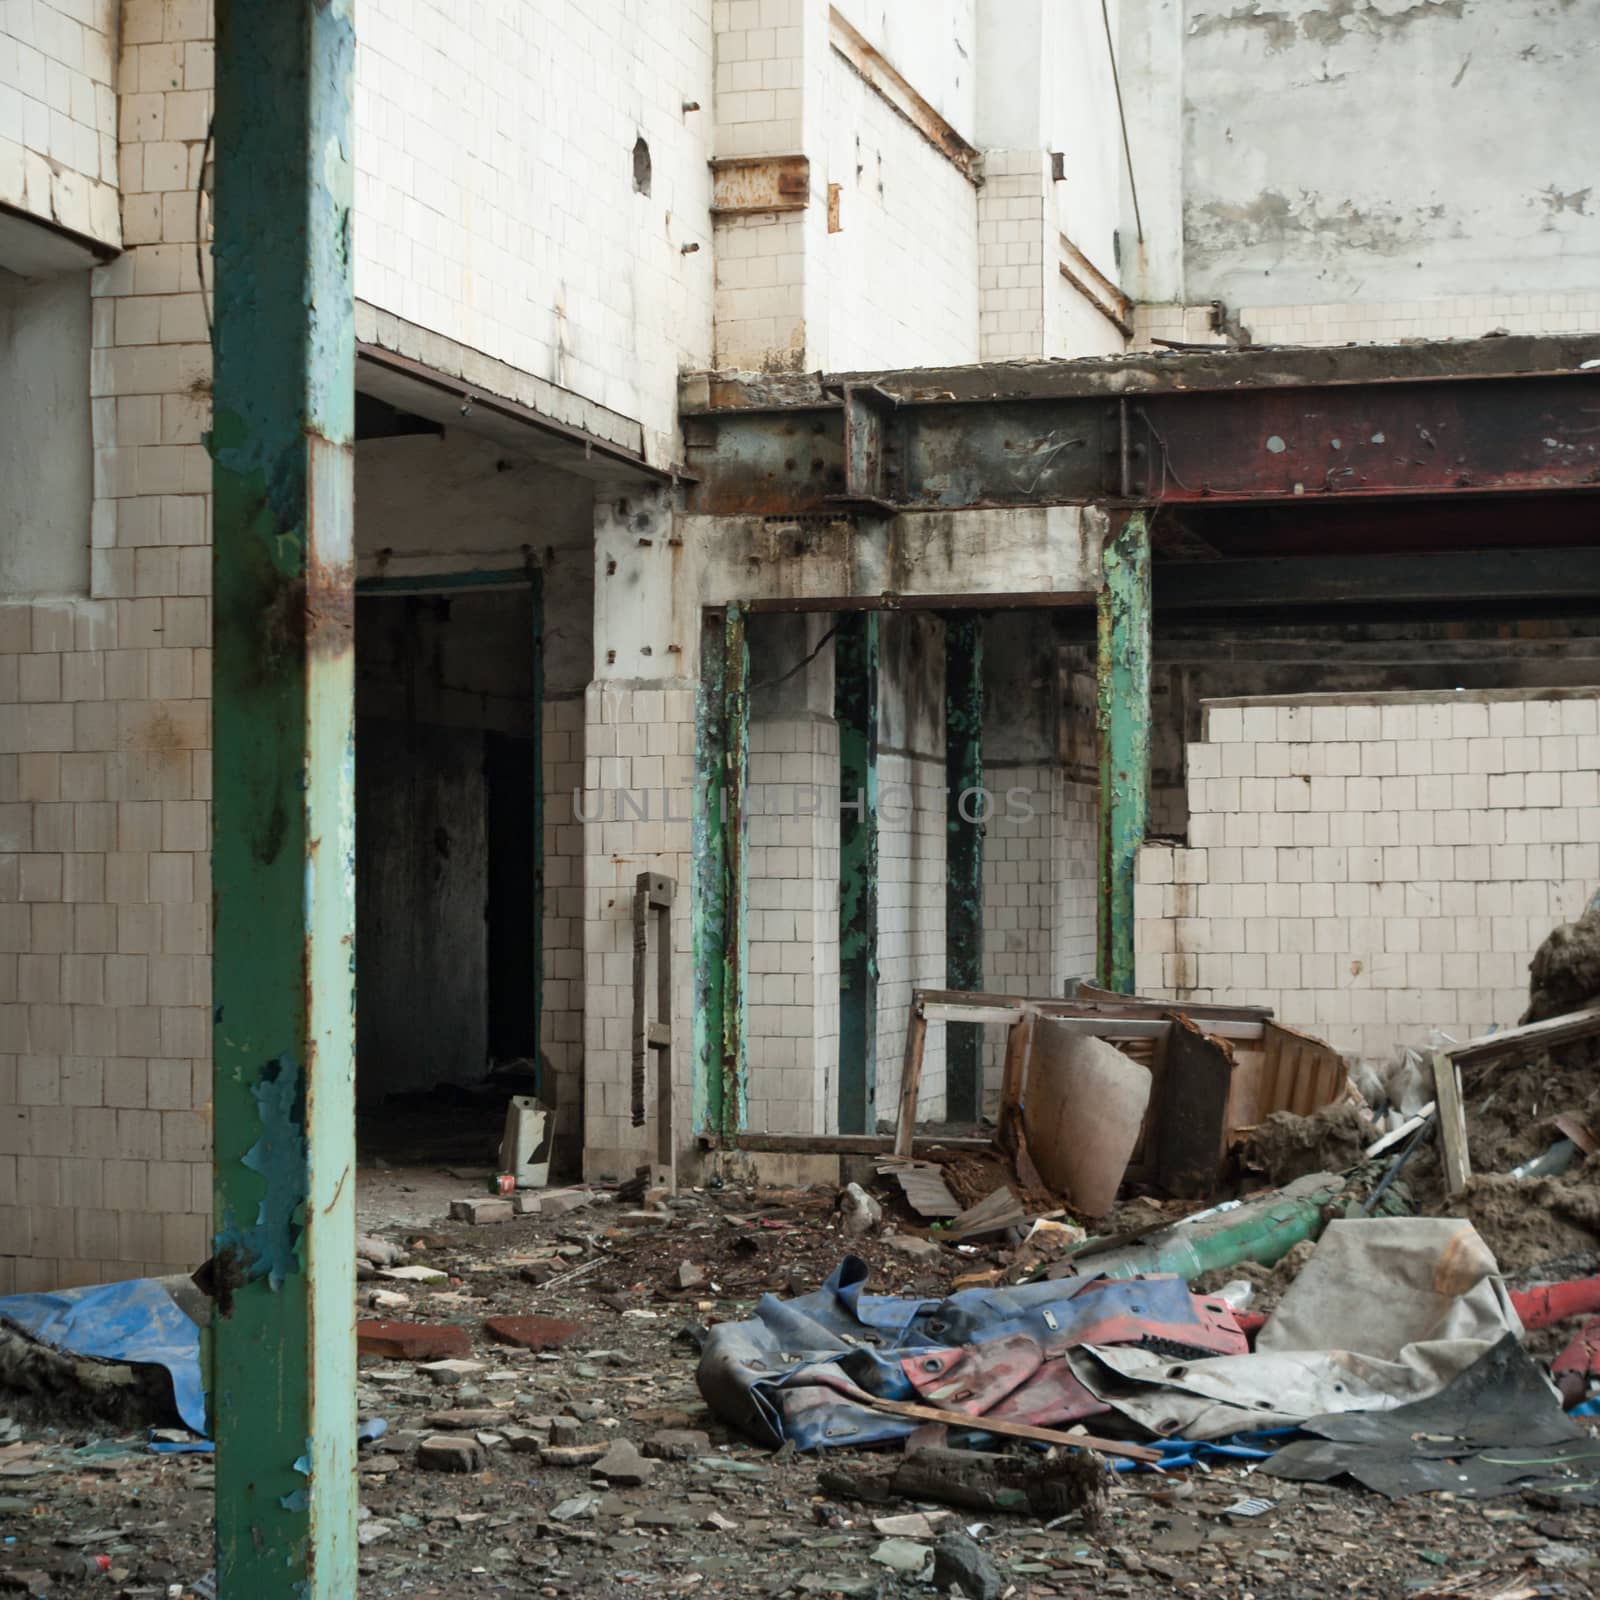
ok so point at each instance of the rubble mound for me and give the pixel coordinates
(1526, 1221)
(1287, 1146)
(1565, 971)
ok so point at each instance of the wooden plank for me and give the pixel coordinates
(910, 1078)
(948, 1011)
(1528, 1039)
(1092, 994)
(998, 1210)
(1012, 1430)
(1452, 1123)
(838, 1144)
(1013, 1079)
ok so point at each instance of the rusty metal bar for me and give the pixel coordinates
(283, 1357)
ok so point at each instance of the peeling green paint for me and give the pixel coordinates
(966, 817)
(718, 920)
(1122, 717)
(282, 1345)
(855, 706)
(270, 1248)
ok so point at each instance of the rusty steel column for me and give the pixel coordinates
(1122, 721)
(283, 1335)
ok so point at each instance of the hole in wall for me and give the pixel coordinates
(641, 166)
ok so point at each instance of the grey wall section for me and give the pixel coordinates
(46, 444)
(462, 502)
(1389, 149)
(421, 891)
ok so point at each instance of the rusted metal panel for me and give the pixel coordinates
(747, 185)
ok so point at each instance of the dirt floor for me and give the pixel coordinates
(81, 1513)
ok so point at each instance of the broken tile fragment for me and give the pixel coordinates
(489, 1208)
(411, 1341)
(622, 1464)
(531, 1333)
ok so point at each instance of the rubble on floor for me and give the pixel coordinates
(539, 1430)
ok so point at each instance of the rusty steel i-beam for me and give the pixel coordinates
(1477, 417)
(282, 1379)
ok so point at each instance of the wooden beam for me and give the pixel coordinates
(1452, 1123)
(1013, 1430)
(1528, 1039)
(837, 1144)
(910, 1078)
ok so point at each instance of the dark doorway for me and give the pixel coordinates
(447, 868)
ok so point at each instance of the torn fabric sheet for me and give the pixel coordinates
(1388, 1310)
(136, 1321)
(802, 1369)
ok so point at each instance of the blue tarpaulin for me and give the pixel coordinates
(137, 1322)
(803, 1369)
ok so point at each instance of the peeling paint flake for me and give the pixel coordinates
(270, 1247)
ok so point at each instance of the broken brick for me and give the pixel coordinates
(677, 1444)
(411, 1341)
(450, 1453)
(531, 1333)
(488, 1209)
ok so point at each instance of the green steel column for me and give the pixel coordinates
(536, 977)
(966, 813)
(283, 1336)
(855, 708)
(1123, 725)
(718, 920)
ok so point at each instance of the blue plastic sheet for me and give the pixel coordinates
(136, 1322)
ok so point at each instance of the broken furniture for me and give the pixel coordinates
(1209, 1075)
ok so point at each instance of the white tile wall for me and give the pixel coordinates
(105, 779)
(792, 868)
(1378, 866)
(912, 827)
(495, 199)
(58, 99)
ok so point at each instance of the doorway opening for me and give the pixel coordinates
(449, 860)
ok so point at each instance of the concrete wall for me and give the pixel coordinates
(58, 101)
(1346, 150)
(1376, 866)
(46, 438)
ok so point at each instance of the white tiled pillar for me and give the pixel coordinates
(636, 804)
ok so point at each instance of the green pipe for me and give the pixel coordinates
(1263, 1231)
